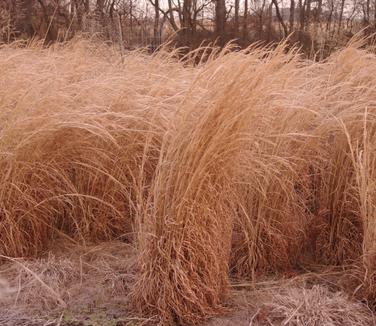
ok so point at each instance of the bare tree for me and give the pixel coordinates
(308, 13)
(186, 23)
(280, 18)
(170, 15)
(245, 21)
(302, 14)
(292, 16)
(341, 15)
(236, 18)
(220, 20)
(157, 33)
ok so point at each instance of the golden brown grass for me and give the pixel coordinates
(247, 164)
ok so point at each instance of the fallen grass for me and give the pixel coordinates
(80, 284)
(93, 280)
(243, 165)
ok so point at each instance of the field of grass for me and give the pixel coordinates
(144, 189)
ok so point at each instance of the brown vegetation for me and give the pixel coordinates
(241, 166)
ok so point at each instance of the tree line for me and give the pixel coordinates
(317, 25)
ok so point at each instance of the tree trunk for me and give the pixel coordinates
(236, 21)
(318, 12)
(301, 14)
(72, 9)
(308, 13)
(317, 18)
(329, 21)
(280, 18)
(79, 14)
(22, 19)
(261, 21)
(245, 21)
(220, 20)
(157, 40)
(368, 11)
(131, 17)
(186, 22)
(341, 16)
(292, 15)
(171, 17)
(270, 23)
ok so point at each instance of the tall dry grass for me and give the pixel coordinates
(245, 164)
(76, 126)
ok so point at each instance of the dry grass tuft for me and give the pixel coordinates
(75, 134)
(316, 306)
